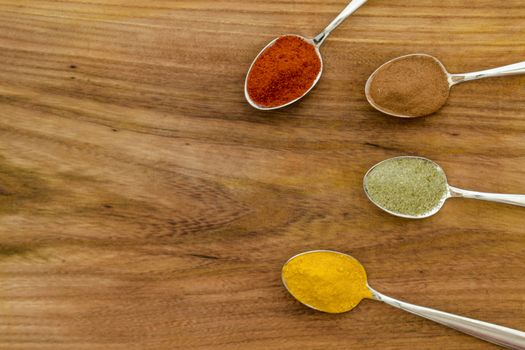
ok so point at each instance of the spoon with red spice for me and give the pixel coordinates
(289, 67)
(418, 85)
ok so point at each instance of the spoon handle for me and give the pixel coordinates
(514, 199)
(511, 69)
(503, 336)
(349, 9)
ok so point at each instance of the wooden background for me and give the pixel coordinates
(145, 205)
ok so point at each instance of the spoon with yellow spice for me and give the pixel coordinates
(334, 282)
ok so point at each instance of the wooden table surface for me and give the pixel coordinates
(145, 205)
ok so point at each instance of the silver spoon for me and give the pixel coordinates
(503, 336)
(453, 79)
(317, 42)
(450, 192)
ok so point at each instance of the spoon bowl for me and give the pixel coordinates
(358, 287)
(449, 191)
(371, 100)
(451, 80)
(330, 274)
(436, 208)
(270, 44)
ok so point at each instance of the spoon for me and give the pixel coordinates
(448, 191)
(316, 42)
(450, 79)
(348, 266)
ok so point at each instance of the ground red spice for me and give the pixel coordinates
(283, 72)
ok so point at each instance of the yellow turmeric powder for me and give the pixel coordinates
(326, 281)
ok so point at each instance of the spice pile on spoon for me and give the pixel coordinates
(283, 72)
(407, 185)
(414, 86)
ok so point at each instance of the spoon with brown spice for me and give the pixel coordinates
(418, 85)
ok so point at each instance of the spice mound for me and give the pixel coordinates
(408, 186)
(412, 86)
(326, 281)
(283, 72)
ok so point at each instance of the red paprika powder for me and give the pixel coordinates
(283, 72)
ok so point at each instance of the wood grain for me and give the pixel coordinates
(145, 205)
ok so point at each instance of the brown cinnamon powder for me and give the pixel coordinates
(412, 86)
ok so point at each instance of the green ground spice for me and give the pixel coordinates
(409, 186)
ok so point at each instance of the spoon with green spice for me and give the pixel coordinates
(416, 188)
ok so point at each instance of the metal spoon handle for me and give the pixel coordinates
(349, 9)
(503, 336)
(511, 69)
(513, 199)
